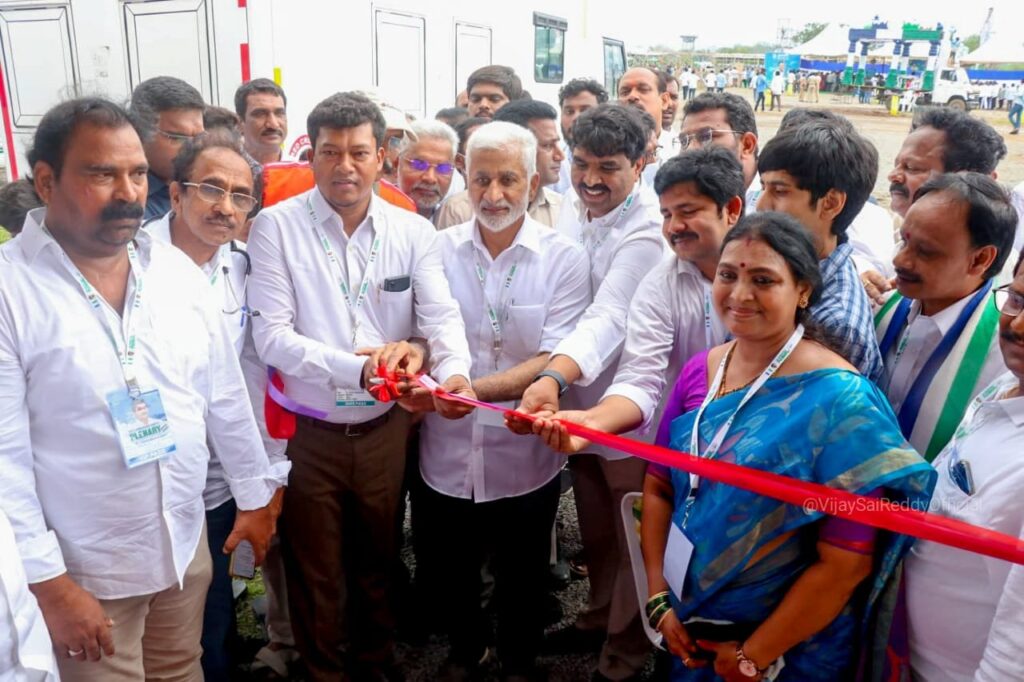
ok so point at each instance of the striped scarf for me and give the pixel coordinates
(955, 382)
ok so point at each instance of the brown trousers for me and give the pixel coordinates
(599, 485)
(339, 541)
(156, 636)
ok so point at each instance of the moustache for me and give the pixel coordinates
(594, 188)
(495, 206)
(907, 275)
(122, 211)
(427, 187)
(223, 221)
(1012, 337)
(677, 237)
(899, 188)
(272, 131)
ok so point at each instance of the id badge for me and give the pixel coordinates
(142, 427)
(344, 398)
(492, 418)
(678, 553)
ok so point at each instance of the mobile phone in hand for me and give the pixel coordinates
(243, 561)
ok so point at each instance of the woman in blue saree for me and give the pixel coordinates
(755, 588)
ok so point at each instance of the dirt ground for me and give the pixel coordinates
(887, 133)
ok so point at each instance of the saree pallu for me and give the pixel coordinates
(829, 426)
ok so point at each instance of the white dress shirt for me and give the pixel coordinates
(477, 457)
(305, 327)
(623, 246)
(564, 171)
(966, 611)
(227, 274)
(666, 327)
(74, 506)
(26, 653)
(229, 290)
(872, 236)
(925, 332)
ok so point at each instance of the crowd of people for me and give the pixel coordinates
(209, 352)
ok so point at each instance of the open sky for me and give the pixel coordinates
(751, 21)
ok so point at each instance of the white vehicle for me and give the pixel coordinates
(953, 88)
(416, 54)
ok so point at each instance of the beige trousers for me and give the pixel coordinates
(156, 636)
(599, 485)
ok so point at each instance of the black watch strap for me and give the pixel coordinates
(563, 385)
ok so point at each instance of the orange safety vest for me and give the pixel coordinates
(285, 179)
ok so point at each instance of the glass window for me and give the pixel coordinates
(549, 48)
(614, 63)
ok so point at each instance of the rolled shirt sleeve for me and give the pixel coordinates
(597, 340)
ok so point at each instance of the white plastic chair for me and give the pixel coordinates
(636, 560)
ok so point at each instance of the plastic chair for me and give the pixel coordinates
(631, 520)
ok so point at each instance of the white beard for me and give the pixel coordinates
(499, 224)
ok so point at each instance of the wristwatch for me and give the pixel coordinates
(563, 385)
(746, 666)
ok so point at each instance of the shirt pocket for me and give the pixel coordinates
(523, 328)
(393, 309)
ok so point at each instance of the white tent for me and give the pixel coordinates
(1001, 48)
(833, 41)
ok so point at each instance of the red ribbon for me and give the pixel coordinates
(387, 389)
(813, 497)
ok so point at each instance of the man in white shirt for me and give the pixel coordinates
(725, 120)
(671, 317)
(26, 653)
(574, 98)
(618, 222)
(263, 109)
(96, 317)
(938, 332)
(966, 611)
(336, 273)
(211, 195)
(426, 165)
(521, 287)
(777, 87)
(941, 140)
(648, 89)
(541, 119)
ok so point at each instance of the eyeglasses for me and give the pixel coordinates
(1008, 301)
(702, 136)
(423, 166)
(180, 138)
(215, 195)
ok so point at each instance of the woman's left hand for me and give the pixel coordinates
(726, 665)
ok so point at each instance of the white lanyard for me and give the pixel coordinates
(493, 315)
(125, 355)
(592, 244)
(716, 442)
(342, 273)
(707, 316)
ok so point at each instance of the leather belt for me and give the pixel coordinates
(350, 430)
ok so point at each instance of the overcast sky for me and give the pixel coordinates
(724, 24)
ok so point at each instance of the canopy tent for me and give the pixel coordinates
(1001, 48)
(833, 41)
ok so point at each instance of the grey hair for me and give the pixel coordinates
(505, 137)
(432, 129)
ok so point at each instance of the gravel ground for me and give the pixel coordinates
(421, 661)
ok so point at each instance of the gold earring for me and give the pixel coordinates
(803, 302)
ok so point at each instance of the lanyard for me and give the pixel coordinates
(707, 316)
(495, 316)
(593, 245)
(716, 442)
(125, 355)
(342, 272)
